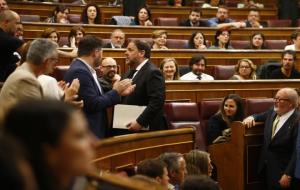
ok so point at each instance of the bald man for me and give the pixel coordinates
(109, 74)
(8, 43)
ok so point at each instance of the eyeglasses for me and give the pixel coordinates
(244, 67)
(276, 99)
(110, 66)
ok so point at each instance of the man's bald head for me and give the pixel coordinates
(8, 21)
(109, 67)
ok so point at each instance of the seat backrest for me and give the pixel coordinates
(60, 71)
(74, 18)
(280, 23)
(30, 18)
(121, 20)
(275, 44)
(223, 72)
(266, 69)
(239, 44)
(181, 114)
(163, 21)
(258, 105)
(177, 44)
(207, 108)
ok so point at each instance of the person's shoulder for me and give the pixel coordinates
(207, 77)
(185, 23)
(290, 47)
(186, 76)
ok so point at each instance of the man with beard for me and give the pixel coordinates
(117, 39)
(90, 91)
(287, 69)
(109, 76)
(194, 19)
(149, 92)
(8, 43)
(197, 65)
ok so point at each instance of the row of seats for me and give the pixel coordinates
(160, 21)
(183, 44)
(181, 114)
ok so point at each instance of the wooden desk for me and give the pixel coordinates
(195, 91)
(34, 30)
(123, 151)
(45, 10)
(237, 160)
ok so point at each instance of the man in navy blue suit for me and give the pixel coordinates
(90, 91)
(277, 160)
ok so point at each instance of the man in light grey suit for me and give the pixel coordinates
(22, 84)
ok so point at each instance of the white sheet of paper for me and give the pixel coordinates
(124, 114)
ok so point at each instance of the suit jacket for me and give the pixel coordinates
(278, 153)
(109, 45)
(187, 22)
(150, 92)
(297, 170)
(20, 85)
(95, 103)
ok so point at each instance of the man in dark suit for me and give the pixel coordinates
(194, 19)
(150, 88)
(297, 170)
(90, 91)
(277, 160)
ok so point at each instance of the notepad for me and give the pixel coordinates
(124, 114)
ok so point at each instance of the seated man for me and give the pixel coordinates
(194, 19)
(197, 65)
(176, 168)
(296, 39)
(109, 74)
(117, 39)
(223, 21)
(155, 169)
(253, 20)
(287, 69)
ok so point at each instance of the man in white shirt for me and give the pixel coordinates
(197, 65)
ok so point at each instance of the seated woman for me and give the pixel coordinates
(257, 41)
(244, 70)
(222, 40)
(212, 3)
(75, 35)
(197, 41)
(52, 34)
(231, 109)
(56, 137)
(142, 17)
(59, 15)
(159, 39)
(91, 14)
(198, 163)
(176, 3)
(169, 68)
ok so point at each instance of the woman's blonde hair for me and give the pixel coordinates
(251, 64)
(164, 61)
(157, 33)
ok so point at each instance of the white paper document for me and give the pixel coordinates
(124, 114)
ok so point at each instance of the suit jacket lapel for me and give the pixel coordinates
(140, 72)
(286, 126)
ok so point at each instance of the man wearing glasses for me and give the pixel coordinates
(277, 160)
(109, 74)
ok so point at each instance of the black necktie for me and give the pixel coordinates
(131, 73)
(199, 77)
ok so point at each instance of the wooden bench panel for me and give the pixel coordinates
(127, 150)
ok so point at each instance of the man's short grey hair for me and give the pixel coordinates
(117, 30)
(171, 159)
(7, 15)
(40, 50)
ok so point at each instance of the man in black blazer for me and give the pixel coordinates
(194, 19)
(94, 98)
(150, 88)
(117, 39)
(277, 160)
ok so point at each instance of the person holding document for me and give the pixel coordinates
(149, 91)
(95, 99)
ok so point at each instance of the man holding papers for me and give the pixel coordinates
(149, 91)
